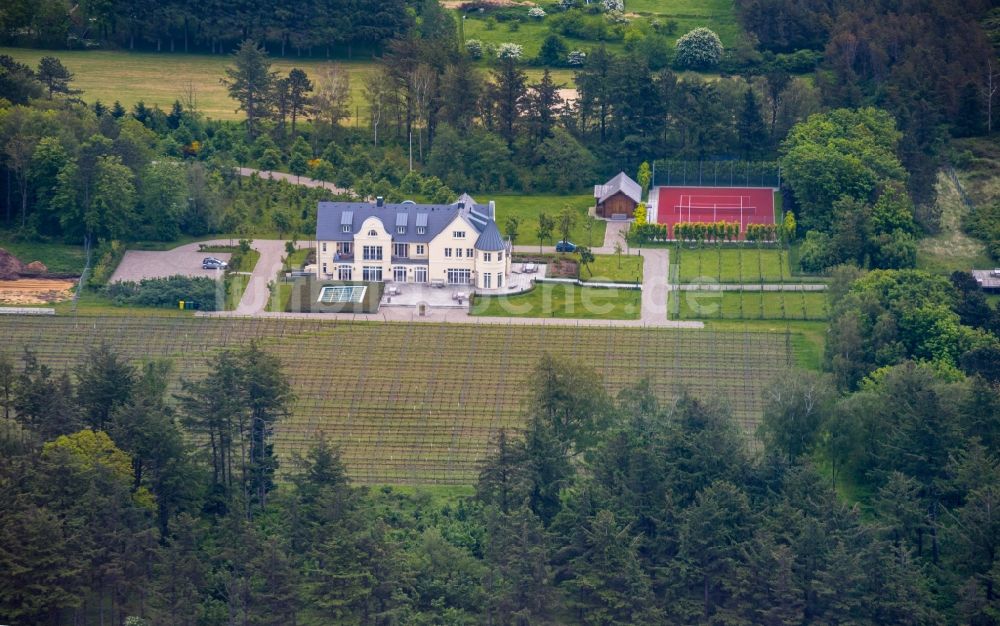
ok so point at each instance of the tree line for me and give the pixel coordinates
(319, 27)
(126, 501)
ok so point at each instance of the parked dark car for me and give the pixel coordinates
(212, 263)
(565, 246)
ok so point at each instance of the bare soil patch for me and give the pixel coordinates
(35, 290)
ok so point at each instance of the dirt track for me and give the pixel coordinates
(35, 291)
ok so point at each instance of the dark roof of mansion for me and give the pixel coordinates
(490, 239)
(332, 217)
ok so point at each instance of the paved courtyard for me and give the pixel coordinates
(184, 261)
(414, 294)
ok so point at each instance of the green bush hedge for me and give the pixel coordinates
(165, 292)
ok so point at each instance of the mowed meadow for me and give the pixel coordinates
(422, 403)
(162, 78)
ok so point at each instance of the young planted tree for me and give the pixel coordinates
(644, 176)
(586, 258)
(510, 227)
(567, 220)
(544, 229)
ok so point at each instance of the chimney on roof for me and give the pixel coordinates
(379, 201)
(493, 210)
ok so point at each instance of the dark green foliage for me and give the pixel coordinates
(166, 292)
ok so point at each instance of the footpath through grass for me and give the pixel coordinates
(564, 302)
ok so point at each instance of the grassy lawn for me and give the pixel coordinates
(161, 78)
(236, 284)
(749, 305)
(732, 265)
(95, 303)
(58, 257)
(527, 207)
(297, 259)
(611, 268)
(719, 15)
(951, 249)
(281, 293)
(563, 301)
(129, 77)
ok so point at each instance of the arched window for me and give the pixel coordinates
(372, 233)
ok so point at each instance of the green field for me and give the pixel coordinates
(564, 302)
(162, 78)
(612, 268)
(419, 403)
(731, 265)
(57, 257)
(526, 208)
(719, 15)
(749, 305)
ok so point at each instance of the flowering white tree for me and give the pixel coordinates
(576, 57)
(510, 51)
(699, 49)
(475, 48)
(614, 5)
(536, 12)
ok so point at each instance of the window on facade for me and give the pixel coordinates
(420, 275)
(499, 256)
(372, 253)
(324, 246)
(469, 252)
(344, 272)
(420, 248)
(447, 252)
(399, 274)
(499, 280)
(458, 252)
(373, 233)
(371, 273)
(324, 268)
(458, 234)
(486, 281)
(459, 277)
(345, 247)
(487, 257)
(401, 250)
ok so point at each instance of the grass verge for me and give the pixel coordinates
(564, 302)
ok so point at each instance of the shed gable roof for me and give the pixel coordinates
(619, 184)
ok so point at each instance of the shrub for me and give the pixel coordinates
(510, 51)
(614, 5)
(108, 255)
(699, 49)
(576, 58)
(536, 13)
(165, 292)
(475, 48)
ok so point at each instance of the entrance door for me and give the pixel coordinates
(420, 275)
(399, 274)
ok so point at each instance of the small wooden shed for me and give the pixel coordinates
(618, 198)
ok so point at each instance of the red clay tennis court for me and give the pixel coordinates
(744, 205)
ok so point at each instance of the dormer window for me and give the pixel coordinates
(421, 230)
(401, 230)
(345, 228)
(373, 233)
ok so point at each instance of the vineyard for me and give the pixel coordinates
(420, 403)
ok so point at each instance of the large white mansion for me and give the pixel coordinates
(455, 244)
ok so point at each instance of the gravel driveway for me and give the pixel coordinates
(185, 260)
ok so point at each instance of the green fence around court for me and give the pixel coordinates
(672, 173)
